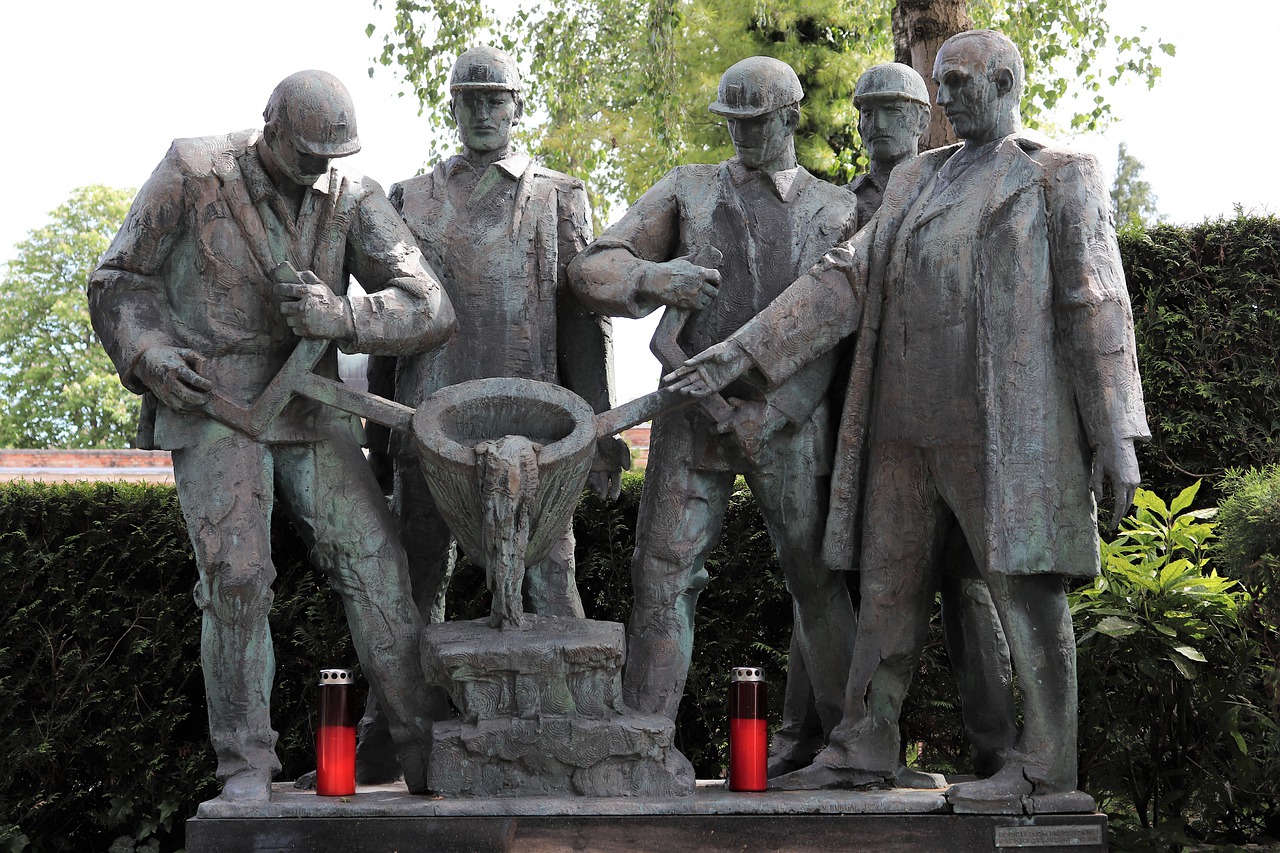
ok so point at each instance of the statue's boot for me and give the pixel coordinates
(415, 763)
(909, 777)
(1021, 776)
(817, 777)
(376, 762)
(247, 786)
(791, 759)
(1009, 783)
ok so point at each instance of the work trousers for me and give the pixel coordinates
(681, 517)
(226, 485)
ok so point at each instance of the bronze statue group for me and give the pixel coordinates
(927, 377)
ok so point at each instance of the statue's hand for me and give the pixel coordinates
(173, 375)
(314, 311)
(611, 459)
(681, 283)
(710, 370)
(1118, 464)
(754, 425)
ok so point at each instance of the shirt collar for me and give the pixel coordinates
(258, 181)
(783, 182)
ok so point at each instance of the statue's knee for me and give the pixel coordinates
(237, 587)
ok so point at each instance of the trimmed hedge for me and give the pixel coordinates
(1206, 304)
(103, 722)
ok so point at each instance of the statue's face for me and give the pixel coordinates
(292, 161)
(485, 118)
(969, 97)
(890, 128)
(759, 142)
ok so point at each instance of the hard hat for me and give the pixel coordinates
(484, 67)
(755, 86)
(891, 81)
(316, 110)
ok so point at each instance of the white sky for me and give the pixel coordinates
(96, 90)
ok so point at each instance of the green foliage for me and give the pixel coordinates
(59, 387)
(1206, 303)
(1071, 57)
(103, 726)
(1133, 203)
(1171, 739)
(1249, 527)
(106, 743)
(640, 106)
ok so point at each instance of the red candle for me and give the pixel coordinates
(748, 730)
(336, 735)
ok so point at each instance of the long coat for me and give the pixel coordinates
(1057, 362)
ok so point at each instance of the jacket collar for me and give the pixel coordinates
(513, 165)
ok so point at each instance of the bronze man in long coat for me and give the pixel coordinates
(989, 291)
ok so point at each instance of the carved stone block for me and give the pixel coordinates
(553, 666)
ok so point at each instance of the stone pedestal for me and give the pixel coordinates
(386, 818)
(542, 714)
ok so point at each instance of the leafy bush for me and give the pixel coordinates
(105, 739)
(1206, 304)
(104, 730)
(103, 726)
(1249, 526)
(1171, 739)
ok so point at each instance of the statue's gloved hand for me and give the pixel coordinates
(710, 370)
(754, 425)
(690, 282)
(173, 375)
(1118, 463)
(314, 311)
(611, 459)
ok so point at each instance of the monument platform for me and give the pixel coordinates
(387, 818)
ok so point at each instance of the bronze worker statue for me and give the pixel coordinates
(499, 230)
(988, 295)
(715, 244)
(237, 252)
(893, 113)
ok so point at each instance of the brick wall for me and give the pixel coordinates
(67, 466)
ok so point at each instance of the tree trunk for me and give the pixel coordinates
(919, 29)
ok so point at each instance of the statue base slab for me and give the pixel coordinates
(714, 819)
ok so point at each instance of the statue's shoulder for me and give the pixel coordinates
(359, 185)
(419, 184)
(560, 181)
(1051, 155)
(931, 160)
(826, 190)
(204, 156)
(696, 173)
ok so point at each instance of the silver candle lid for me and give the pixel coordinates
(748, 673)
(337, 676)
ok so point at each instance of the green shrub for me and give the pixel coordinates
(1206, 304)
(104, 731)
(103, 725)
(1171, 738)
